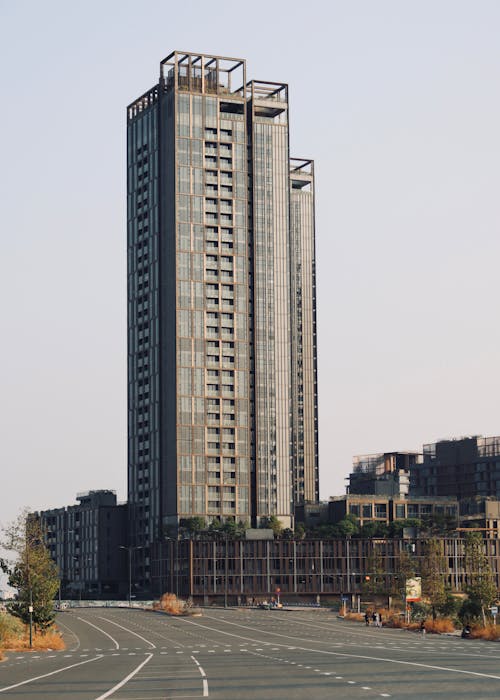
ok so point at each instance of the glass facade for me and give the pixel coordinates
(304, 348)
(213, 326)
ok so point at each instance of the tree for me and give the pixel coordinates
(299, 531)
(348, 525)
(32, 573)
(374, 581)
(234, 530)
(272, 523)
(439, 524)
(215, 526)
(373, 529)
(432, 570)
(397, 527)
(481, 589)
(193, 526)
(405, 568)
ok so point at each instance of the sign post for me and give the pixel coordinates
(494, 612)
(413, 593)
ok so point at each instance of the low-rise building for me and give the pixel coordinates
(310, 570)
(481, 514)
(387, 509)
(86, 542)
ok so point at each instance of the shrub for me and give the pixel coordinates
(439, 626)
(470, 612)
(171, 604)
(450, 606)
(420, 611)
(356, 617)
(490, 633)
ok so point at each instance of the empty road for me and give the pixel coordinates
(247, 654)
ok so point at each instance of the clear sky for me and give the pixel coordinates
(398, 103)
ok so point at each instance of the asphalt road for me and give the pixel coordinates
(247, 654)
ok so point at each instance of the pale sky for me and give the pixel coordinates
(398, 104)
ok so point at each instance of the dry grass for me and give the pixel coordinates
(439, 626)
(395, 620)
(391, 618)
(490, 633)
(14, 636)
(356, 617)
(49, 641)
(170, 604)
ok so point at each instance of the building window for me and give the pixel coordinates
(367, 510)
(400, 511)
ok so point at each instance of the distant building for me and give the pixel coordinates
(386, 509)
(463, 468)
(481, 513)
(84, 541)
(312, 514)
(387, 473)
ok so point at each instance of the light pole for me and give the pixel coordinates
(348, 568)
(225, 569)
(129, 549)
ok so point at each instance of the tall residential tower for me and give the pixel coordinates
(222, 392)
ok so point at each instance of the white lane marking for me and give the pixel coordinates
(125, 680)
(346, 655)
(117, 646)
(71, 632)
(203, 675)
(153, 646)
(52, 673)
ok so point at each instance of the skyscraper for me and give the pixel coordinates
(222, 394)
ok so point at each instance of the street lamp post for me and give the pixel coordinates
(129, 549)
(348, 568)
(225, 569)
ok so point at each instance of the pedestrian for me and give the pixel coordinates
(374, 617)
(379, 620)
(367, 619)
(422, 627)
